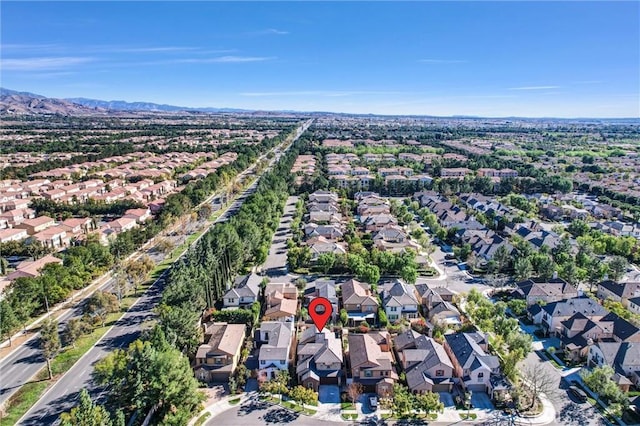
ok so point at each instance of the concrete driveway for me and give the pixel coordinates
(447, 399)
(481, 401)
(329, 394)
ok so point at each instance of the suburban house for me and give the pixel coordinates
(321, 245)
(472, 365)
(217, 358)
(12, 234)
(437, 304)
(245, 293)
(372, 362)
(77, 226)
(281, 301)
(551, 315)
(378, 221)
(425, 362)
(623, 357)
(399, 301)
(330, 232)
(618, 292)
(54, 237)
(35, 225)
(536, 290)
(319, 358)
(358, 301)
(274, 338)
(32, 268)
(326, 289)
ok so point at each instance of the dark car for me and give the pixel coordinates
(578, 393)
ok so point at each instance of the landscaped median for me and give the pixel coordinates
(29, 393)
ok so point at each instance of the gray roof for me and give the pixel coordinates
(279, 340)
(469, 354)
(620, 354)
(569, 307)
(428, 354)
(399, 292)
(248, 287)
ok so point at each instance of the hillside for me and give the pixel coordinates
(24, 103)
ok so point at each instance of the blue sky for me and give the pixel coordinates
(562, 59)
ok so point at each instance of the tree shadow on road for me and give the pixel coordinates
(573, 414)
(251, 405)
(279, 415)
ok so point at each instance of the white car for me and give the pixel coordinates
(373, 401)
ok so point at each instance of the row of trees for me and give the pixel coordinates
(203, 275)
(404, 402)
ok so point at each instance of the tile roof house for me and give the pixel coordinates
(553, 314)
(218, 357)
(378, 221)
(536, 290)
(32, 269)
(330, 232)
(619, 292)
(274, 338)
(35, 225)
(624, 357)
(371, 362)
(399, 301)
(425, 362)
(321, 245)
(319, 358)
(326, 289)
(245, 293)
(358, 301)
(472, 365)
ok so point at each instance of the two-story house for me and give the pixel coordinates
(319, 359)
(326, 289)
(399, 301)
(372, 362)
(245, 293)
(274, 339)
(217, 358)
(358, 301)
(619, 292)
(425, 362)
(472, 365)
(623, 357)
(536, 290)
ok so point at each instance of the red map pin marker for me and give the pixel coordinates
(319, 315)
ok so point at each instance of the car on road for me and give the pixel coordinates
(373, 401)
(578, 393)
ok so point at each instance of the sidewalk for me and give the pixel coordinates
(220, 406)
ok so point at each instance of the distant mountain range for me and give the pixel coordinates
(14, 102)
(144, 106)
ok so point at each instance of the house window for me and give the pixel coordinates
(367, 373)
(393, 308)
(232, 300)
(480, 375)
(386, 373)
(263, 362)
(282, 361)
(439, 373)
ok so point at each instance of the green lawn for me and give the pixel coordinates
(203, 418)
(347, 406)
(349, 416)
(234, 401)
(470, 416)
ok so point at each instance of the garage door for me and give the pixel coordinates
(477, 388)
(442, 388)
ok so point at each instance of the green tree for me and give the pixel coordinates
(8, 320)
(403, 400)
(409, 274)
(522, 269)
(75, 328)
(501, 257)
(326, 262)
(86, 413)
(344, 317)
(428, 402)
(49, 342)
(304, 395)
(617, 267)
(100, 305)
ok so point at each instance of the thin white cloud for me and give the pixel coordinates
(534, 88)
(276, 32)
(43, 63)
(158, 49)
(224, 59)
(442, 61)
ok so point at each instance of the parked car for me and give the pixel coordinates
(578, 393)
(373, 401)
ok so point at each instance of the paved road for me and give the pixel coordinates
(63, 394)
(276, 263)
(568, 411)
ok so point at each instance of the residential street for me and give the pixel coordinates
(276, 263)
